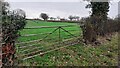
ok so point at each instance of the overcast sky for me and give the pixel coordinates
(54, 8)
(51, 0)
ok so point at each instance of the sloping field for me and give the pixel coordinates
(30, 52)
(42, 32)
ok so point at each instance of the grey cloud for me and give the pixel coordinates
(62, 9)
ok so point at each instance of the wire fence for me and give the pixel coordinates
(51, 41)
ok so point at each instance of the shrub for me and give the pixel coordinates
(12, 22)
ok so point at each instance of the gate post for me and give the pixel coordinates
(59, 35)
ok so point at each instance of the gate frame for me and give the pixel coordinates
(59, 28)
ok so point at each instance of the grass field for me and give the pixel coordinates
(78, 55)
(74, 30)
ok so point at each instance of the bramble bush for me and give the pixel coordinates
(12, 22)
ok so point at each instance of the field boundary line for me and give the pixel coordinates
(48, 27)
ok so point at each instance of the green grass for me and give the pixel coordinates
(78, 55)
(43, 23)
(47, 30)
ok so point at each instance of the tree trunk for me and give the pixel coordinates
(89, 34)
